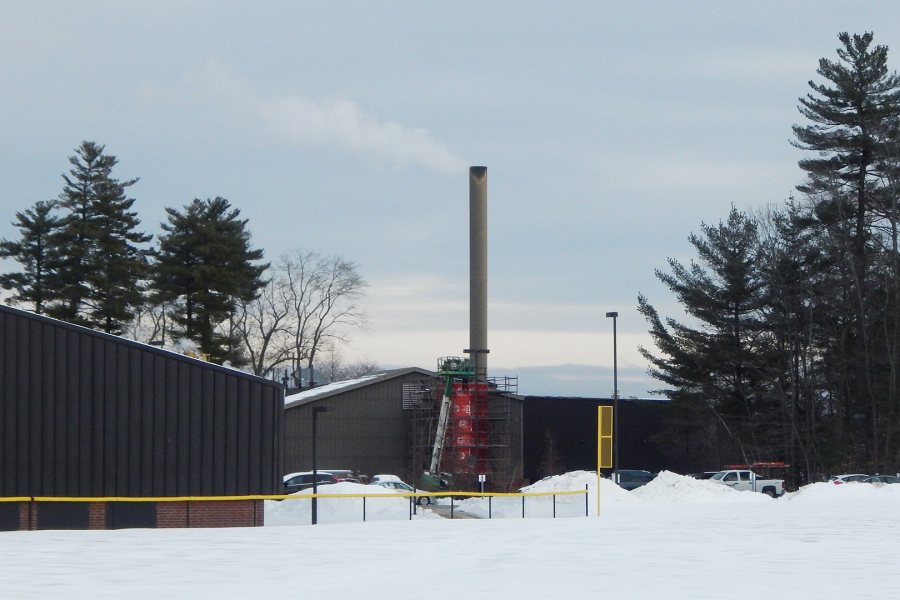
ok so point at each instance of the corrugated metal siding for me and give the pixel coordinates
(87, 414)
(368, 430)
(514, 408)
(365, 429)
(572, 423)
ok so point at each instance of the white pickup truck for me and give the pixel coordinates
(748, 480)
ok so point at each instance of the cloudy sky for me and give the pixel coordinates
(610, 130)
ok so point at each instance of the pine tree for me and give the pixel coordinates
(720, 363)
(853, 138)
(34, 252)
(808, 336)
(848, 119)
(100, 269)
(118, 264)
(75, 238)
(205, 267)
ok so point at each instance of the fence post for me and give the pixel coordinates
(489, 506)
(364, 509)
(523, 507)
(451, 507)
(586, 498)
(554, 506)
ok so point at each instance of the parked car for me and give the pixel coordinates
(741, 479)
(383, 477)
(703, 475)
(295, 482)
(882, 479)
(847, 478)
(400, 486)
(631, 479)
(343, 474)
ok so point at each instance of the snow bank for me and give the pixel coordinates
(388, 507)
(670, 487)
(543, 506)
(858, 494)
(668, 492)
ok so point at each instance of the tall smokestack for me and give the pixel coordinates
(478, 345)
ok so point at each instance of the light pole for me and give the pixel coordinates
(613, 316)
(315, 413)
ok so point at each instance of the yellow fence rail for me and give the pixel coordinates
(412, 496)
(295, 496)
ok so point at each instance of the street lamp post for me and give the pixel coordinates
(613, 316)
(315, 413)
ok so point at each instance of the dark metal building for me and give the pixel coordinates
(366, 428)
(561, 435)
(87, 414)
(375, 425)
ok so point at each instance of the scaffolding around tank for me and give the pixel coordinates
(465, 431)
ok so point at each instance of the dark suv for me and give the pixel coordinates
(630, 479)
(295, 482)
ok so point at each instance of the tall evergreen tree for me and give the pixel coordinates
(852, 134)
(34, 252)
(848, 119)
(118, 262)
(205, 267)
(98, 280)
(720, 363)
(808, 336)
(77, 233)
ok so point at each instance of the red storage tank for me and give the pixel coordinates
(461, 404)
(469, 426)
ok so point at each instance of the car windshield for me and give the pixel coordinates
(718, 475)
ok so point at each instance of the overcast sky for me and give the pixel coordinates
(610, 130)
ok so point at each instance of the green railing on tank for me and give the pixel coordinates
(456, 366)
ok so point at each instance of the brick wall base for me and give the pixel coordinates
(209, 513)
(97, 515)
(27, 513)
(212, 513)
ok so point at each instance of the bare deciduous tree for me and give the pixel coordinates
(259, 325)
(334, 368)
(309, 303)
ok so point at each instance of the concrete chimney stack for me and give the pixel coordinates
(478, 343)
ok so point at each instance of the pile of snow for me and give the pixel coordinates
(829, 500)
(667, 489)
(297, 510)
(567, 505)
(857, 493)
(671, 487)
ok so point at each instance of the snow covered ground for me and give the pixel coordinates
(674, 538)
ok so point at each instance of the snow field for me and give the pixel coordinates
(673, 538)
